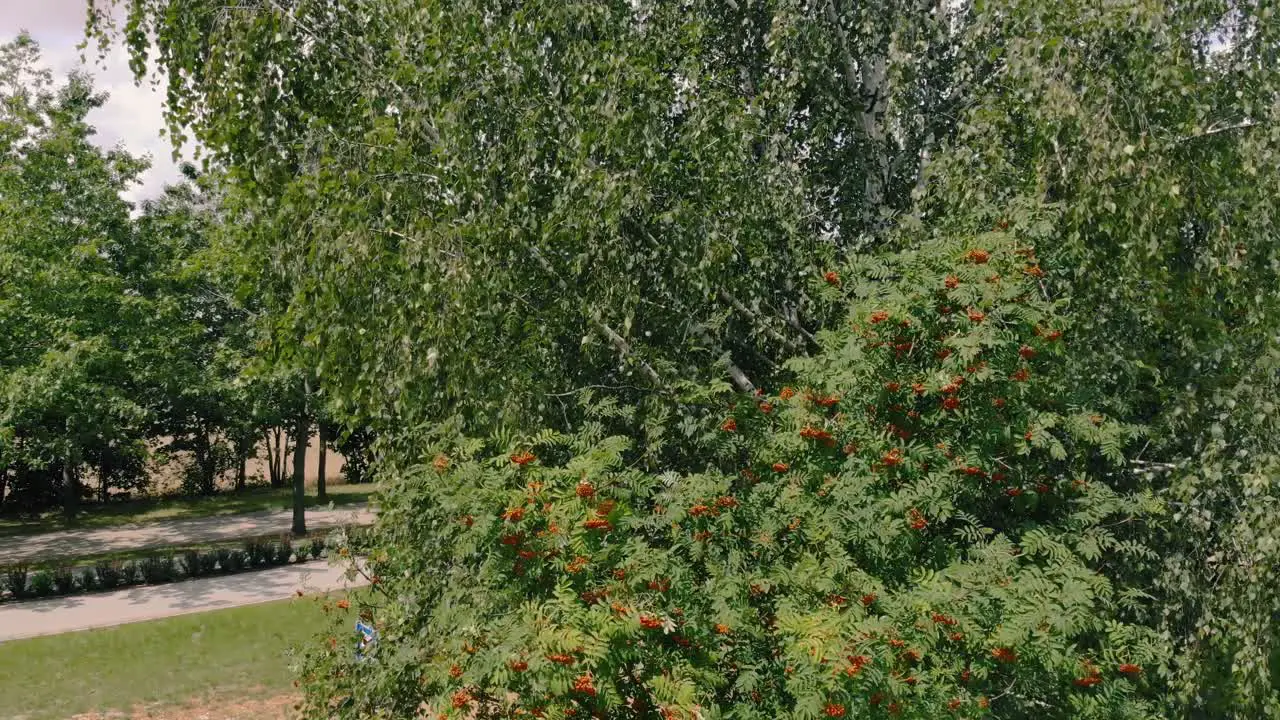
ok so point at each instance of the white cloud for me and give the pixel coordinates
(133, 116)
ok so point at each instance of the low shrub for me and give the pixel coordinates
(15, 578)
(88, 579)
(64, 580)
(223, 556)
(191, 563)
(110, 573)
(130, 572)
(157, 569)
(42, 583)
(281, 551)
(233, 560)
(207, 560)
(303, 549)
(256, 553)
(316, 550)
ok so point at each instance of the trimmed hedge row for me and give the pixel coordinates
(20, 582)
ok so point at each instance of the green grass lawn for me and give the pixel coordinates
(233, 654)
(170, 508)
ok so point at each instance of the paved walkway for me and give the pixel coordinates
(66, 543)
(82, 612)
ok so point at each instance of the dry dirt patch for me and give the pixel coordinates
(279, 707)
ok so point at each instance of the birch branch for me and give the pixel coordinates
(619, 343)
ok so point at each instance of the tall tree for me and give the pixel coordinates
(64, 311)
(488, 207)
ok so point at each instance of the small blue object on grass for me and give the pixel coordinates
(368, 638)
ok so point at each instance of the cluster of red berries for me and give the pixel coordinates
(856, 663)
(1091, 676)
(916, 519)
(1004, 655)
(461, 699)
(524, 457)
(812, 433)
(584, 684)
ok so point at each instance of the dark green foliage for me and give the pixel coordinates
(157, 569)
(256, 552)
(191, 564)
(232, 561)
(88, 579)
(207, 561)
(110, 574)
(64, 579)
(41, 583)
(281, 551)
(15, 579)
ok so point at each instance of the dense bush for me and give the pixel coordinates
(207, 561)
(110, 573)
(281, 551)
(930, 524)
(64, 580)
(231, 560)
(256, 552)
(191, 563)
(15, 578)
(88, 578)
(157, 568)
(41, 583)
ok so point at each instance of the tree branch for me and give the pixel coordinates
(619, 343)
(1217, 129)
(740, 379)
(759, 321)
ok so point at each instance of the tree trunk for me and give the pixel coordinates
(204, 461)
(242, 471)
(104, 476)
(324, 451)
(70, 487)
(299, 477)
(275, 456)
(4, 483)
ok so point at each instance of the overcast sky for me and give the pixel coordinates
(132, 117)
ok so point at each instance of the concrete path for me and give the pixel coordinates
(66, 543)
(82, 612)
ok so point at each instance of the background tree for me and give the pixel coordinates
(68, 386)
